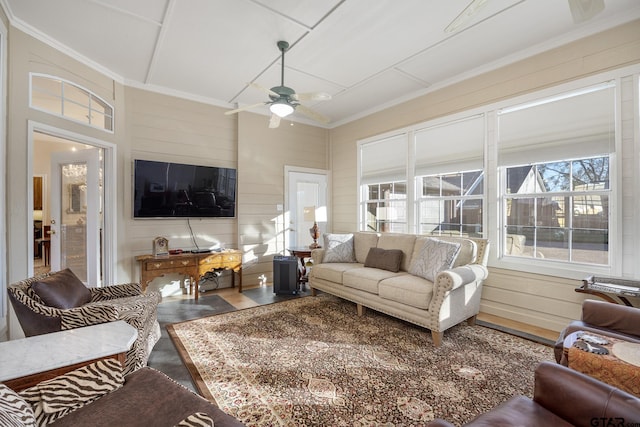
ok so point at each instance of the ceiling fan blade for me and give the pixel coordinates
(274, 122)
(312, 114)
(584, 10)
(468, 12)
(311, 96)
(247, 107)
(264, 89)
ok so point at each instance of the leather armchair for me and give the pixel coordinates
(60, 301)
(562, 397)
(604, 318)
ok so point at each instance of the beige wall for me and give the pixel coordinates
(543, 301)
(262, 156)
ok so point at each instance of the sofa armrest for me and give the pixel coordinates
(317, 255)
(460, 276)
(122, 290)
(88, 314)
(578, 398)
(616, 317)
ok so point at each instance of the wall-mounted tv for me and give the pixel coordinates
(174, 190)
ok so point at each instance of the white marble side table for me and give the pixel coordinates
(26, 362)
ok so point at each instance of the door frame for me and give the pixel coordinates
(298, 169)
(109, 243)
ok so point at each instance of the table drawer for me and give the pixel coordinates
(169, 263)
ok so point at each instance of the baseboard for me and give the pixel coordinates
(521, 334)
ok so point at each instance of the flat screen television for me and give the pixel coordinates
(174, 190)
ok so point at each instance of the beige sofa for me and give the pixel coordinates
(452, 297)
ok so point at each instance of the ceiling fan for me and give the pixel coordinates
(284, 100)
(581, 11)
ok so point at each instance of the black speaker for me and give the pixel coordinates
(285, 275)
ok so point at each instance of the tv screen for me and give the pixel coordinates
(174, 190)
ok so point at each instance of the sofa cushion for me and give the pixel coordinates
(332, 272)
(385, 259)
(407, 289)
(338, 248)
(62, 289)
(404, 242)
(362, 242)
(57, 397)
(14, 410)
(434, 257)
(366, 279)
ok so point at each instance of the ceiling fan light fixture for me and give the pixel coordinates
(281, 108)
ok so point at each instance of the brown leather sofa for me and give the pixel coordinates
(604, 318)
(562, 397)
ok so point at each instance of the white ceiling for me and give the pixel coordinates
(367, 54)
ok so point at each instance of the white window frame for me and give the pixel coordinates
(419, 198)
(63, 99)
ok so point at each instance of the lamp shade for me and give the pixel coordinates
(281, 108)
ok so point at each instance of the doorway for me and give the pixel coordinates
(75, 173)
(307, 203)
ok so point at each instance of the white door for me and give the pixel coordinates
(307, 202)
(75, 213)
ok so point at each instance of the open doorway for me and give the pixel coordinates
(69, 228)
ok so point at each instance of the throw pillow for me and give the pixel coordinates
(53, 399)
(62, 289)
(14, 410)
(199, 419)
(434, 257)
(385, 259)
(338, 248)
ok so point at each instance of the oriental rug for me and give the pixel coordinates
(313, 362)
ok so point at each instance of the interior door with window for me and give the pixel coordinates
(75, 214)
(307, 204)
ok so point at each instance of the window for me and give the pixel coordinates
(449, 178)
(385, 207)
(559, 210)
(383, 185)
(65, 99)
(555, 205)
(451, 203)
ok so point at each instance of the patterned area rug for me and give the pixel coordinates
(313, 362)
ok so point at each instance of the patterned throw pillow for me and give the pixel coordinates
(434, 257)
(14, 410)
(199, 419)
(338, 248)
(53, 399)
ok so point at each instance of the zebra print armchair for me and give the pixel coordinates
(60, 301)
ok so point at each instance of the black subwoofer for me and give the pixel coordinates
(285, 275)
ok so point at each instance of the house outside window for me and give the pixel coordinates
(559, 211)
(385, 207)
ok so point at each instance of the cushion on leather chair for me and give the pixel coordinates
(62, 290)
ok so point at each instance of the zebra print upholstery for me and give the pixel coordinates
(55, 398)
(110, 303)
(14, 410)
(199, 419)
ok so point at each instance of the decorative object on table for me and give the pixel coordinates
(590, 348)
(592, 339)
(160, 246)
(310, 215)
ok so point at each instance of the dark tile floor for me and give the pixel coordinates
(164, 356)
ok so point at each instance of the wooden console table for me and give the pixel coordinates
(28, 361)
(190, 264)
